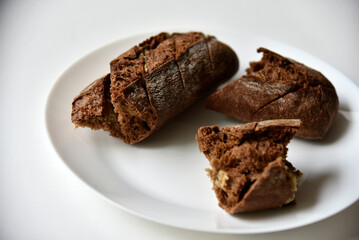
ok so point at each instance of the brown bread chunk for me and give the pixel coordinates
(153, 82)
(280, 88)
(92, 107)
(249, 170)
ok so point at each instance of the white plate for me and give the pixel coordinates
(163, 178)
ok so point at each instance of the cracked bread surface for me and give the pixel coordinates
(249, 170)
(277, 87)
(153, 82)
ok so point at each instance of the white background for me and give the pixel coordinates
(39, 197)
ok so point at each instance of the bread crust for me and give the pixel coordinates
(153, 82)
(277, 87)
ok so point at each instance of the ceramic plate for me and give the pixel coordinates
(163, 179)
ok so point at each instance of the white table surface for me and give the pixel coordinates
(42, 199)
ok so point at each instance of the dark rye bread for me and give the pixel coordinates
(249, 170)
(155, 81)
(280, 88)
(92, 107)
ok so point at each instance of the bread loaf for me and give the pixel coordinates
(277, 87)
(153, 82)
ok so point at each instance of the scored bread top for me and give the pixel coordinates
(169, 73)
(153, 82)
(277, 87)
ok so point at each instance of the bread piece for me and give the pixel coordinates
(92, 107)
(155, 81)
(280, 88)
(249, 170)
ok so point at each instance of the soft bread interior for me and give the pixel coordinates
(239, 156)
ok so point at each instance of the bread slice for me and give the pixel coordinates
(153, 82)
(277, 87)
(249, 170)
